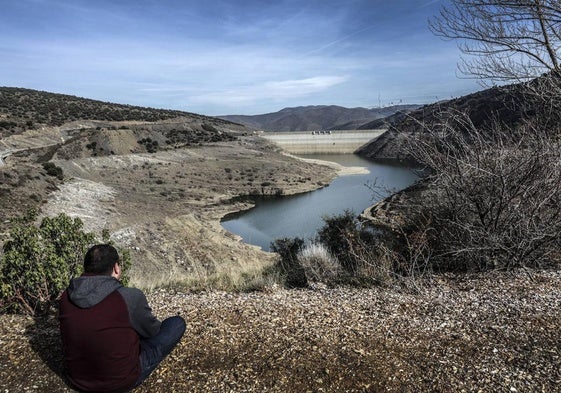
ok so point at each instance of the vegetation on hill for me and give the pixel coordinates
(22, 109)
(508, 105)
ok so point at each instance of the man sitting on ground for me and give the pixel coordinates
(111, 339)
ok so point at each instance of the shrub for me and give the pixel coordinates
(151, 145)
(318, 263)
(345, 251)
(208, 127)
(38, 262)
(288, 264)
(343, 236)
(7, 124)
(493, 200)
(53, 170)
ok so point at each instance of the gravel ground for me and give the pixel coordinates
(498, 332)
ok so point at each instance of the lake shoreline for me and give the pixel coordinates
(302, 214)
(249, 201)
(341, 170)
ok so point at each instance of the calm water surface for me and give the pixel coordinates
(301, 215)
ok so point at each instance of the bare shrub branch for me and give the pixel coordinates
(494, 196)
(503, 40)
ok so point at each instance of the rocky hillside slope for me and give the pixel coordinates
(502, 104)
(37, 127)
(161, 187)
(320, 117)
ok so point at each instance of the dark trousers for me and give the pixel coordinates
(153, 350)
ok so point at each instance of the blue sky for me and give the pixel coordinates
(218, 57)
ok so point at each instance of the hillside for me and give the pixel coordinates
(386, 122)
(22, 109)
(502, 104)
(320, 117)
(159, 180)
(37, 127)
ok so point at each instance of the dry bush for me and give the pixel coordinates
(493, 199)
(288, 266)
(540, 101)
(396, 257)
(374, 261)
(318, 263)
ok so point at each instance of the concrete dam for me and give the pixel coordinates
(319, 142)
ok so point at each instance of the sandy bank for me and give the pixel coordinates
(341, 170)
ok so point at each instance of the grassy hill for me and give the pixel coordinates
(37, 127)
(22, 109)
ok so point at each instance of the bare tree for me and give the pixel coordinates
(493, 200)
(504, 40)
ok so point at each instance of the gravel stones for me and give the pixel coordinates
(496, 332)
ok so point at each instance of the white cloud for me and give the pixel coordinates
(223, 56)
(290, 88)
(271, 90)
(430, 2)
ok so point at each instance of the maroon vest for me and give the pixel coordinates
(101, 349)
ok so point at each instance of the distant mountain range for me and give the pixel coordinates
(318, 117)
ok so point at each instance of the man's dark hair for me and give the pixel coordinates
(100, 259)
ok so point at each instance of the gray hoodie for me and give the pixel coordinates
(87, 290)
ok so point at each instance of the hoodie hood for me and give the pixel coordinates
(87, 291)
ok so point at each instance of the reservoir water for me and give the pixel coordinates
(301, 215)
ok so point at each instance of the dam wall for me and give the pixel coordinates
(320, 142)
